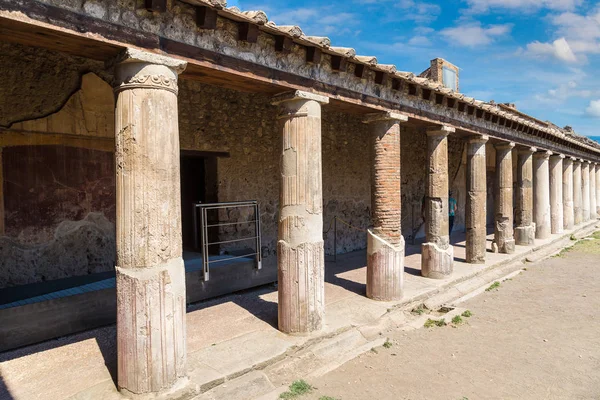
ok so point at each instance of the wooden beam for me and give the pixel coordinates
(247, 32)
(156, 5)
(12, 138)
(313, 55)
(206, 18)
(283, 44)
(338, 63)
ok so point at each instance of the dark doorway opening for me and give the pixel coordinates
(198, 185)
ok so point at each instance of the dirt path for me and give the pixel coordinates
(536, 337)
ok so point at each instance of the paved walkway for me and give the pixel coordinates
(536, 337)
(226, 336)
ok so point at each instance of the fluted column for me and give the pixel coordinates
(593, 211)
(541, 195)
(568, 210)
(385, 244)
(577, 192)
(476, 200)
(151, 303)
(556, 193)
(585, 179)
(437, 256)
(300, 252)
(504, 241)
(597, 167)
(525, 230)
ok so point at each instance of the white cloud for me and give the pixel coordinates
(419, 41)
(474, 34)
(593, 109)
(480, 6)
(318, 20)
(558, 49)
(418, 11)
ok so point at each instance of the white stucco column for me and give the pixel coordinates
(541, 194)
(585, 179)
(504, 241)
(593, 211)
(577, 192)
(300, 251)
(437, 255)
(475, 219)
(597, 167)
(150, 274)
(385, 244)
(525, 230)
(568, 209)
(556, 193)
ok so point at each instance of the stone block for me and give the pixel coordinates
(436, 263)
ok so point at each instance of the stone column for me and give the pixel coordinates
(2, 217)
(597, 167)
(585, 179)
(385, 244)
(150, 274)
(577, 192)
(437, 256)
(541, 195)
(504, 241)
(476, 200)
(568, 211)
(593, 211)
(300, 252)
(556, 193)
(525, 230)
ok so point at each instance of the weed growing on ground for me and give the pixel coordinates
(457, 320)
(420, 310)
(493, 286)
(430, 323)
(441, 322)
(297, 388)
(387, 344)
(467, 314)
(327, 398)
(573, 237)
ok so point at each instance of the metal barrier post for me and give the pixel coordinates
(257, 230)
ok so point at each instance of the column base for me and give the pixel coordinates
(385, 268)
(525, 235)
(436, 263)
(151, 332)
(184, 389)
(504, 247)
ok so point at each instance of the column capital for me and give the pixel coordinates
(477, 138)
(504, 145)
(442, 130)
(299, 95)
(527, 150)
(384, 116)
(137, 69)
(561, 156)
(543, 154)
(572, 158)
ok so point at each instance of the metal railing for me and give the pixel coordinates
(203, 209)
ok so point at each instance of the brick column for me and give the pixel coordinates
(593, 210)
(385, 244)
(585, 179)
(437, 256)
(476, 200)
(597, 167)
(577, 192)
(504, 241)
(541, 195)
(568, 211)
(151, 303)
(300, 253)
(556, 193)
(525, 230)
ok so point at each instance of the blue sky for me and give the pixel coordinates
(543, 55)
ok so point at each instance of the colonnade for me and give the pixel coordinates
(554, 193)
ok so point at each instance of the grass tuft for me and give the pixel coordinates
(493, 286)
(297, 388)
(457, 320)
(387, 344)
(467, 314)
(327, 398)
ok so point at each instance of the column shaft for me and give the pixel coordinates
(585, 178)
(151, 302)
(593, 211)
(597, 167)
(568, 210)
(385, 244)
(577, 192)
(2, 217)
(476, 200)
(525, 230)
(437, 254)
(503, 232)
(541, 195)
(556, 193)
(300, 252)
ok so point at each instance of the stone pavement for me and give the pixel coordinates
(235, 336)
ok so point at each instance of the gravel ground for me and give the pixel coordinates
(536, 336)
